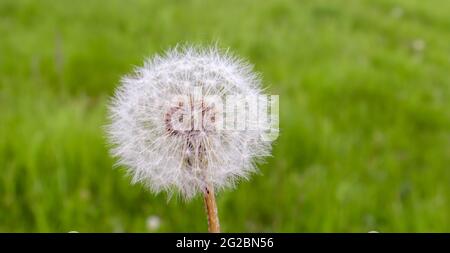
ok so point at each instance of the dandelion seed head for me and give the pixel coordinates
(156, 135)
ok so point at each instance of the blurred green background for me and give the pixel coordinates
(364, 99)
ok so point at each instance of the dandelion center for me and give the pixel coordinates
(191, 118)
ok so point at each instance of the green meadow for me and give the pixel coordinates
(364, 92)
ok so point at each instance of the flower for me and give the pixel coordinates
(166, 122)
(153, 223)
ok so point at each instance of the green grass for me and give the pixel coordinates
(364, 99)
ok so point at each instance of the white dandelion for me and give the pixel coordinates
(168, 129)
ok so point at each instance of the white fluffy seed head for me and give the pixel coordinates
(152, 122)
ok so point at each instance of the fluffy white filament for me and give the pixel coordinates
(148, 105)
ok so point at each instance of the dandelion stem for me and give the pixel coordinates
(211, 210)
